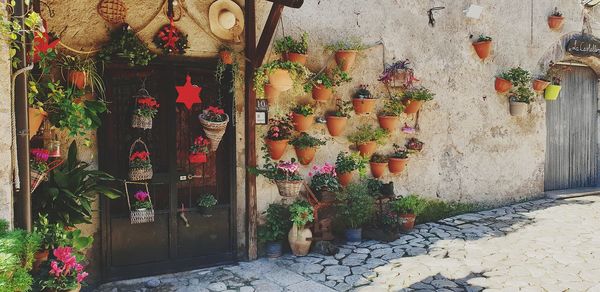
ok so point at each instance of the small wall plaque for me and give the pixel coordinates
(262, 112)
(584, 45)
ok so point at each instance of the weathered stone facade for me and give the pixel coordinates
(6, 186)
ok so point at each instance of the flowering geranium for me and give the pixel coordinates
(324, 178)
(282, 170)
(140, 159)
(280, 128)
(214, 114)
(65, 273)
(200, 145)
(39, 159)
(142, 200)
(147, 107)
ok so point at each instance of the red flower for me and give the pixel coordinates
(142, 155)
(215, 110)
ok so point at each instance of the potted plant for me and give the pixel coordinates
(140, 165)
(346, 164)
(214, 121)
(355, 207)
(556, 19)
(389, 115)
(321, 84)
(281, 75)
(226, 54)
(306, 146)
(17, 248)
(366, 138)
(79, 71)
(553, 90)
(415, 97)
(205, 203)
(199, 150)
(303, 117)
(517, 77)
(301, 213)
(502, 83)
(142, 201)
(293, 50)
(66, 272)
(378, 163)
(324, 182)
(408, 208)
(363, 101)
(51, 236)
(145, 111)
(278, 135)
(519, 100)
(285, 174)
(540, 83)
(482, 46)
(398, 159)
(337, 120)
(124, 45)
(345, 52)
(38, 164)
(413, 144)
(273, 231)
(398, 74)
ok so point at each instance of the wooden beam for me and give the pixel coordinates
(267, 34)
(289, 3)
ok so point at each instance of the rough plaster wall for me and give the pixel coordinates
(6, 186)
(474, 151)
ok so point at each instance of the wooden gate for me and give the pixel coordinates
(572, 131)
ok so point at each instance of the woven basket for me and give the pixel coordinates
(139, 216)
(113, 11)
(214, 131)
(141, 122)
(138, 174)
(289, 188)
(37, 178)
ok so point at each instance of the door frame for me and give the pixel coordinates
(109, 273)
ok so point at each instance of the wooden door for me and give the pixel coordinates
(572, 132)
(168, 244)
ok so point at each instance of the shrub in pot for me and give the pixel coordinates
(205, 203)
(285, 174)
(483, 46)
(277, 224)
(17, 248)
(278, 135)
(398, 74)
(324, 181)
(306, 146)
(303, 116)
(301, 213)
(515, 77)
(378, 163)
(363, 101)
(415, 97)
(321, 84)
(408, 208)
(355, 207)
(345, 52)
(397, 160)
(553, 90)
(293, 50)
(389, 115)
(519, 101)
(367, 137)
(337, 120)
(346, 164)
(281, 75)
(555, 21)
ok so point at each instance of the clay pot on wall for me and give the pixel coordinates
(77, 78)
(378, 168)
(281, 80)
(345, 59)
(483, 49)
(305, 155)
(363, 105)
(397, 165)
(518, 108)
(271, 93)
(296, 58)
(389, 123)
(345, 178)
(336, 125)
(299, 239)
(226, 57)
(413, 106)
(409, 221)
(36, 118)
(539, 85)
(302, 123)
(555, 22)
(502, 85)
(552, 92)
(276, 148)
(367, 149)
(321, 93)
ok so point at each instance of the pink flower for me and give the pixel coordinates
(62, 253)
(79, 268)
(275, 135)
(55, 270)
(81, 277)
(310, 174)
(276, 129)
(141, 196)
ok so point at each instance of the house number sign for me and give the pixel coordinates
(584, 45)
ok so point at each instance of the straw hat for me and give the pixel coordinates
(226, 20)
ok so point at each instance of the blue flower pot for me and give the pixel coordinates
(273, 249)
(354, 235)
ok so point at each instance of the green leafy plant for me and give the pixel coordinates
(124, 45)
(348, 162)
(342, 109)
(393, 107)
(220, 72)
(88, 66)
(288, 44)
(517, 76)
(367, 133)
(324, 178)
(301, 213)
(16, 34)
(355, 205)
(303, 109)
(521, 94)
(483, 38)
(298, 73)
(52, 235)
(17, 250)
(207, 200)
(399, 152)
(351, 44)
(305, 140)
(336, 78)
(374, 186)
(71, 189)
(411, 204)
(419, 93)
(277, 223)
(364, 93)
(379, 158)
(556, 12)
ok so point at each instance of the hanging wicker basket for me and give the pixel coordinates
(140, 216)
(141, 122)
(289, 188)
(139, 173)
(113, 11)
(37, 177)
(214, 131)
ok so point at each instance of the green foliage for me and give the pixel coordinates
(366, 133)
(298, 73)
(207, 200)
(374, 185)
(351, 44)
(355, 205)
(556, 12)
(305, 140)
(342, 109)
(15, 34)
(71, 189)
(290, 45)
(436, 210)
(124, 45)
(88, 66)
(411, 204)
(303, 109)
(277, 223)
(52, 234)
(379, 158)
(17, 250)
(393, 107)
(399, 152)
(419, 93)
(335, 78)
(518, 76)
(521, 94)
(140, 205)
(301, 212)
(346, 162)
(483, 38)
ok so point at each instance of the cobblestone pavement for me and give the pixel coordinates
(541, 245)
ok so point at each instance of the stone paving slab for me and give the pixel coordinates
(542, 245)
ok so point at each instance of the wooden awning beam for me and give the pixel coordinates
(289, 3)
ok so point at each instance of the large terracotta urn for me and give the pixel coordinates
(299, 239)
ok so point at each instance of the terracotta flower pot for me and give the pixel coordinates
(502, 85)
(345, 59)
(281, 80)
(296, 58)
(409, 222)
(363, 105)
(552, 92)
(305, 155)
(226, 57)
(555, 22)
(378, 168)
(197, 158)
(483, 49)
(299, 239)
(389, 123)
(367, 149)
(396, 165)
(271, 93)
(40, 257)
(276, 148)
(36, 118)
(302, 123)
(345, 178)
(321, 93)
(77, 78)
(539, 85)
(413, 106)
(336, 125)
(518, 108)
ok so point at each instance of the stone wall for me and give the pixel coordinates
(6, 186)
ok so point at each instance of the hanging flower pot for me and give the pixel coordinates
(345, 59)
(483, 48)
(271, 93)
(321, 93)
(389, 123)
(363, 105)
(367, 149)
(303, 117)
(409, 221)
(518, 108)
(397, 165)
(415, 97)
(276, 148)
(197, 158)
(413, 106)
(555, 22)
(226, 57)
(170, 39)
(141, 210)
(305, 155)
(77, 79)
(199, 150)
(296, 58)
(140, 165)
(414, 144)
(280, 79)
(552, 92)
(214, 122)
(539, 85)
(146, 108)
(345, 178)
(336, 125)
(306, 147)
(36, 118)
(502, 85)
(378, 168)
(288, 188)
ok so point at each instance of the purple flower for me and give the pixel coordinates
(141, 196)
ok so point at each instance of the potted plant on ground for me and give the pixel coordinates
(293, 50)
(415, 97)
(337, 120)
(324, 182)
(408, 208)
(398, 74)
(303, 117)
(345, 52)
(346, 164)
(482, 46)
(414, 145)
(540, 83)
(519, 100)
(205, 203)
(366, 139)
(145, 111)
(198, 150)
(124, 45)
(17, 248)
(281, 75)
(398, 159)
(321, 85)
(51, 235)
(301, 213)
(278, 135)
(553, 90)
(363, 101)
(66, 272)
(306, 146)
(273, 231)
(378, 163)
(555, 21)
(355, 207)
(214, 122)
(389, 115)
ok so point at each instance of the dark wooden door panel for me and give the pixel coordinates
(139, 243)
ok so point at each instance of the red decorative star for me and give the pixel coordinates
(42, 43)
(188, 94)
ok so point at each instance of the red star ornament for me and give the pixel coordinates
(42, 42)
(188, 94)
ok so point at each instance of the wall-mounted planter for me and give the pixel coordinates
(539, 85)
(378, 168)
(276, 148)
(483, 49)
(197, 158)
(555, 22)
(363, 105)
(281, 80)
(345, 178)
(271, 93)
(502, 85)
(336, 125)
(305, 155)
(389, 123)
(518, 108)
(321, 93)
(296, 58)
(302, 123)
(345, 59)
(552, 92)
(413, 106)
(226, 57)
(367, 149)
(36, 118)
(397, 165)
(77, 78)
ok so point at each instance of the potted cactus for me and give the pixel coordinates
(306, 146)
(366, 139)
(293, 50)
